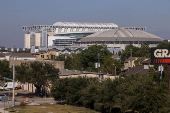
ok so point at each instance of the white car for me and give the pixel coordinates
(2, 95)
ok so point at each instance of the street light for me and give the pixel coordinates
(115, 69)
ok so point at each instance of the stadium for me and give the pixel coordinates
(121, 37)
(65, 33)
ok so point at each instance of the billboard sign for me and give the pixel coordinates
(160, 55)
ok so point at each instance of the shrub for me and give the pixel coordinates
(99, 107)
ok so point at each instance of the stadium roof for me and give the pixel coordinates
(83, 24)
(122, 34)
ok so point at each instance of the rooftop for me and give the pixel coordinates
(20, 54)
(137, 70)
(85, 24)
(122, 34)
(2, 55)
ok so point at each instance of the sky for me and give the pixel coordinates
(153, 14)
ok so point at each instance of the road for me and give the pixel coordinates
(21, 96)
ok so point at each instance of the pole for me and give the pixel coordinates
(131, 60)
(62, 73)
(131, 52)
(13, 85)
(161, 72)
(98, 65)
(169, 79)
(115, 70)
(8, 98)
(4, 104)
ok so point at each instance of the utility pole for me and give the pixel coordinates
(98, 65)
(161, 71)
(169, 79)
(131, 57)
(13, 85)
(131, 52)
(115, 69)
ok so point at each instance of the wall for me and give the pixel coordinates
(49, 53)
(28, 87)
(26, 58)
(57, 64)
(2, 58)
(89, 75)
(122, 46)
(146, 66)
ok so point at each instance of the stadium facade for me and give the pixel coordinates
(65, 33)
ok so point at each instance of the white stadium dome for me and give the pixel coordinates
(122, 34)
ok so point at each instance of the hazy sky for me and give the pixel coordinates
(153, 14)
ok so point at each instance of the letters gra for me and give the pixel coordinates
(160, 55)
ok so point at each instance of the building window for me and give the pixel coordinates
(42, 56)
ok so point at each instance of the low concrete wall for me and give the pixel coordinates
(57, 64)
(28, 87)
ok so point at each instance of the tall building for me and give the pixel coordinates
(37, 39)
(27, 40)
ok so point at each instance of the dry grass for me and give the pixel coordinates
(47, 108)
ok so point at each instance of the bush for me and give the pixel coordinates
(116, 109)
(135, 92)
(99, 107)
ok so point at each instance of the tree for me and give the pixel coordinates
(108, 67)
(59, 89)
(163, 44)
(40, 74)
(90, 56)
(5, 71)
(144, 93)
(23, 72)
(76, 61)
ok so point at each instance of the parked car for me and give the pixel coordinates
(2, 95)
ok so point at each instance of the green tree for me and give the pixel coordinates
(108, 67)
(23, 72)
(68, 62)
(163, 44)
(5, 71)
(90, 56)
(91, 94)
(142, 93)
(143, 51)
(76, 61)
(40, 74)
(59, 89)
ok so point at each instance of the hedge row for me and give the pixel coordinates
(142, 93)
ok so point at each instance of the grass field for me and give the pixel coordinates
(47, 108)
